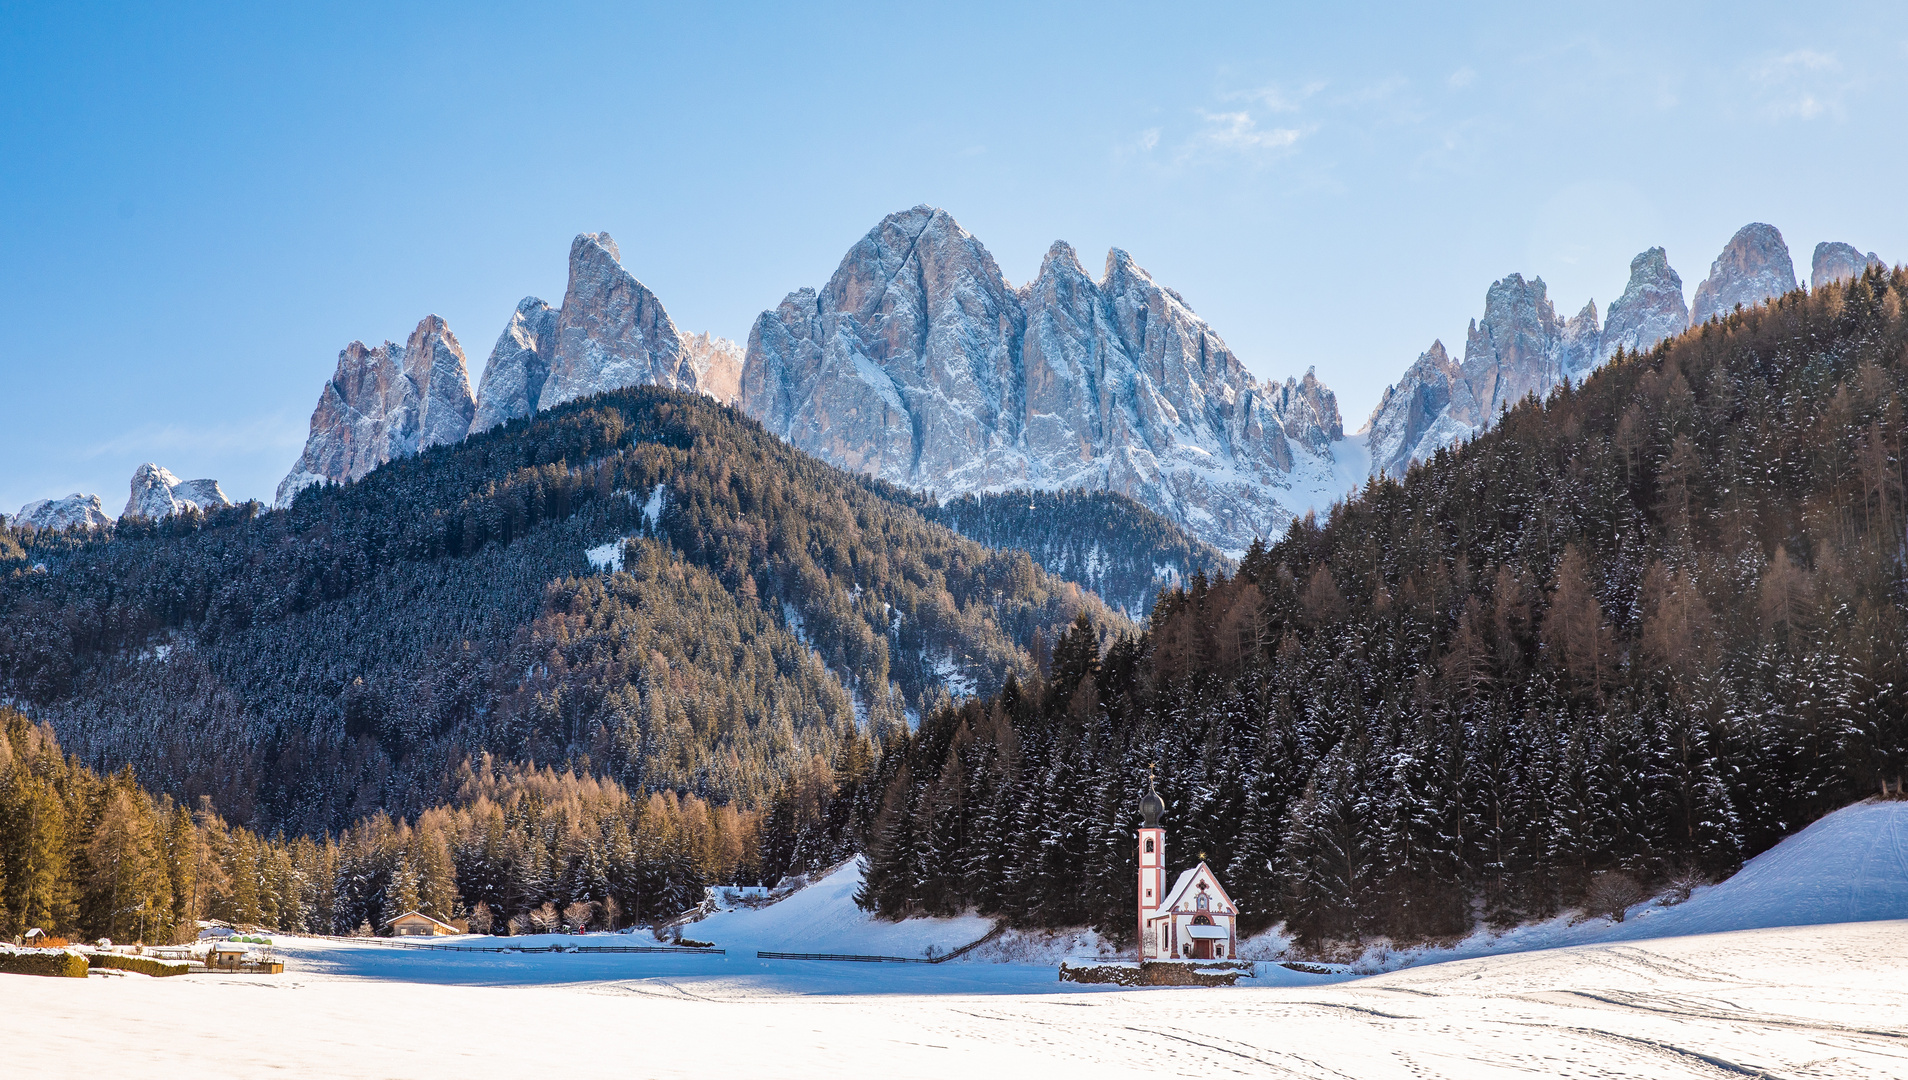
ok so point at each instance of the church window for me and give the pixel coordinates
(1204, 903)
(1149, 845)
(1202, 920)
(1219, 952)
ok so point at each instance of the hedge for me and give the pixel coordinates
(145, 965)
(70, 965)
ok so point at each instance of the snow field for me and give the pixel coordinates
(1822, 1001)
(1768, 974)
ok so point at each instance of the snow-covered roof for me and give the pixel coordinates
(426, 918)
(1185, 884)
(1218, 932)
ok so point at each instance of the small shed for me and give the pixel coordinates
(418, 924)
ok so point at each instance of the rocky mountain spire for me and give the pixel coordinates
(384, 403)
(717, 362)
(519, 364)
(1513, 351)
(1430, 407)
(1753, 267)
(1650, 309)
(918, 363)
(156, 493)
(612, 331)
(1836, 261)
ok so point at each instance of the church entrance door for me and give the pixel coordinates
(1202, 949)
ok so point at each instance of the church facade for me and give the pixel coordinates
(1194, 919)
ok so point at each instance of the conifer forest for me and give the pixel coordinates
(573, 670)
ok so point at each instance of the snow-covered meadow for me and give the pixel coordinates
(1792, 969)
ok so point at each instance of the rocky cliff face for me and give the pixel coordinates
(611, 331)
(1753, 267)
(1650, 309)
(74, 511)
(156, 493)
(385, 403)
(519, 365)
(918, 363)
(1430, 407)
(717, 362)
(1519, 347)
(1836, 261)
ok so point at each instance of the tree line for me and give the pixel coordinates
(520, 849)
(1637, 632)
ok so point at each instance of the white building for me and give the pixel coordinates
(1195, 919)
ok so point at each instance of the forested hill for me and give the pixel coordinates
(1100, 539)
(1637, 632)
(310, 665)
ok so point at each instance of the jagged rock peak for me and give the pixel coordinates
(1430, 407)
(1650, 309)
(1753, 267)
(917, 362)
(611, 332)
(1578, 348)
(717, 362)
(156, 493)
(74, 511)
(519, 365)
(1308, 411)
(385, 403)
(1514, 350)
(1836, 261)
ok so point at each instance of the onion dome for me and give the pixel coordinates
(1152, 807)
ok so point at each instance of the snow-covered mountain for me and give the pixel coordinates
(1520, 346)
(1838, 261)
(156, 493)
(383, 403)
(920, 364)
(610, 332)
(74, 511)
(1753, 267)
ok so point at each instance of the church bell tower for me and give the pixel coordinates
(1152, 864)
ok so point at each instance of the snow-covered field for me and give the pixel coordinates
(1662, 995)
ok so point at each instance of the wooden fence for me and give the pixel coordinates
(861, 959)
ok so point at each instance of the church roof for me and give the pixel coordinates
(1185, 884)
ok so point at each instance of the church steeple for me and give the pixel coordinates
(1152, 864)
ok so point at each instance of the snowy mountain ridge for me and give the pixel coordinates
(918, 363)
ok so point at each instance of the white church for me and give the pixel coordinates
(1195, 919)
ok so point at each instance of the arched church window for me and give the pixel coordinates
(1149, 845)
(1202, 920)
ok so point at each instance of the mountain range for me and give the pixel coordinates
(919, 363)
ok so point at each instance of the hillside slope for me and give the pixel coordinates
(307, 665)
(1647, 626)
(1101, 540)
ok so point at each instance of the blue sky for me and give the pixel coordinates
(199, 206)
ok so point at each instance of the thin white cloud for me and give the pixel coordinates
(1275, 98)
(1803, 84)
(1462, 77)
(1240, 131)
